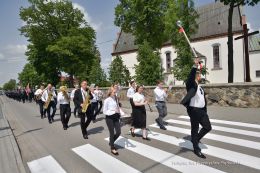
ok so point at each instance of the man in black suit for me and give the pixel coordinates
(196, 105)
(79, 98)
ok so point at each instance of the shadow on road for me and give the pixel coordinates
(29, 131)
(95, 130)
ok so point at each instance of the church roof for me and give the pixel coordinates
(212, 22)
(254, 43)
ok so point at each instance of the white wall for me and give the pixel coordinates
(221, 76)
(206, 49)
(254, 59)
(129, 60)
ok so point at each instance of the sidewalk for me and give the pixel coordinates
(10, 158)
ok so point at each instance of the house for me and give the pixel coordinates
(210, 42)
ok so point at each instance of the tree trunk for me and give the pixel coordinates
(230, 44)
(71, 81)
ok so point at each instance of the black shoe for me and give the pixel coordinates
(85, 136)
(41, 117)
(115, 153)
(132, 132)
(52, 119)
(50, 122)
(65, 128)
(146, 138)
(199, 154)
(162, 127)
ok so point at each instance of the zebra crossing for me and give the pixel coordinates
(107, 163)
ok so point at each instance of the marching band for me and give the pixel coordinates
(88, 103)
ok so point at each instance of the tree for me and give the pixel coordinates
(10, 85)
(184, 11)
(118, 72)
(144, 19)
(29, 75)
(233, 4)
(97, 75)
(148, 70)
(60, 39)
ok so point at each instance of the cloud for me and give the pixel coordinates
(13, 53)
(96, 26)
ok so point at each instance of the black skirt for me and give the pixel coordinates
(139, 117)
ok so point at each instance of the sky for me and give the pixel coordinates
(99, 14)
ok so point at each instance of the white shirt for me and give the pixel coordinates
(99, 94)
(72, 93)
(110, 106)
(61, 99)
(139, 98)
(198, 100)
(130, 92)
(84, 93)
(95, 98)
(160, 94)
(45, 95)
(38, 91)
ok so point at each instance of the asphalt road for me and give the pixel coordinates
(230, 146)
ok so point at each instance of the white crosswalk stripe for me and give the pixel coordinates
(220, 128)
(45, 165)
(168, 159)
(107, 163)
(102, 161)
(221, 138)
(234, 123)
(225, 154)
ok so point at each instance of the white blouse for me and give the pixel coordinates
(110, 106)
(138, 98)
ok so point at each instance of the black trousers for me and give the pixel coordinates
(75, 109)
(198, 116)
(52, 105)
(65, 113)
(94, 109)
(83, 122)
(42, 110)
(100, 106)
(114, 129)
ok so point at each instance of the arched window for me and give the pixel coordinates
(168, 62)
(216, 56)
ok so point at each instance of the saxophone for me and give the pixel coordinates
(86, 103)
(46, 104)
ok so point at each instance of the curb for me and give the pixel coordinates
(15, 146)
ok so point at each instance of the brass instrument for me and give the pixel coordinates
(64, 91)
(46, 104)
(86, 103)
(38, 97)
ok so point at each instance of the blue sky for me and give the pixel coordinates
(100, 15)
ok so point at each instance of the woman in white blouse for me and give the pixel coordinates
(112, 112)
(139, 112)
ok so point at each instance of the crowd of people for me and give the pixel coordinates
(88, 104)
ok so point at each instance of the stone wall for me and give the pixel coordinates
(246, 95)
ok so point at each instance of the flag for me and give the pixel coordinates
(181, 30)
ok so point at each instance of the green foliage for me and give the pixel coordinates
(29, 75)
(97, 75)
(10, 85)
(148, 71)
(144, 19)
(181, 10)
(154, 21)
(60, 39)
(119, 72)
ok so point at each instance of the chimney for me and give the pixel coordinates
(243, 19)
